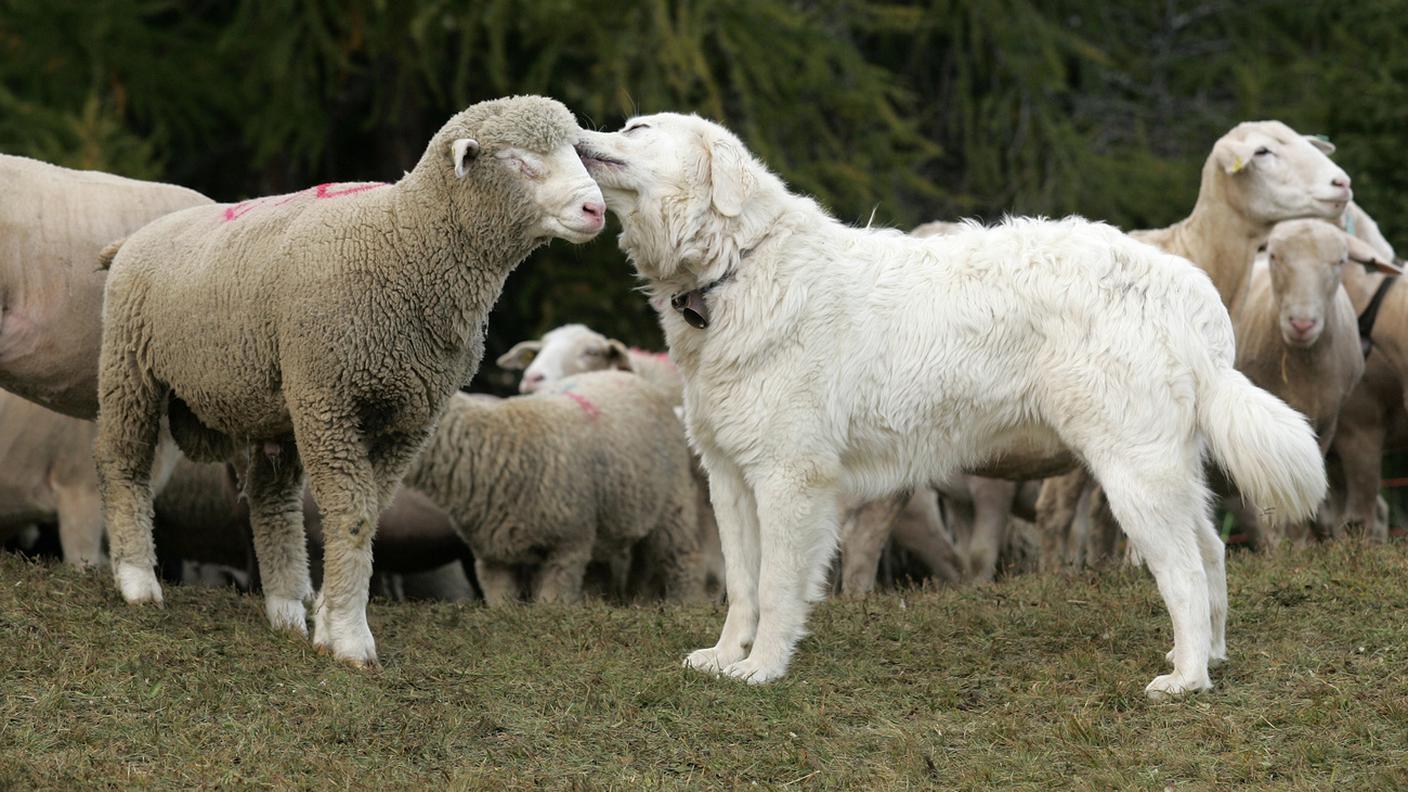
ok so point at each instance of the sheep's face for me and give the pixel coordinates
(570, 205)
(567, 350)
(1274, 174)
(681, 186)
(1306, 260)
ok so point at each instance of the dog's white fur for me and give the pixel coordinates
(856, 362)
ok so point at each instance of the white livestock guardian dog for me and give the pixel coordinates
(824, 362)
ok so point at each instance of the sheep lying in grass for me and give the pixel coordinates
(54, 222)
(574, 348)
(1297, 335)
(581, 470)
(323, 330)
(1258, 174)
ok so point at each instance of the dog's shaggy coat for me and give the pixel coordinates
(858, 362)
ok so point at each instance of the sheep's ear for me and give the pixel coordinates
(1364, 253)
(1233, 155)
(461, 151)
(730, 180)
(520, 356)
(617, 356)
(1321, 142)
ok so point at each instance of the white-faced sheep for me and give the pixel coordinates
(1258, 174)
(55, 221)
(1297, 334)
(574, 349)
(581, 470)
(324, 330)
(826, 362)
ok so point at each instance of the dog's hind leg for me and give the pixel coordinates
(798, 514)
(736, 512)
(1161, 501)
(1214, 555)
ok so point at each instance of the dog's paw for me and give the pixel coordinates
(286, 614)
(755, 672)
(712, 660)
(1171, 686)
(138, 585)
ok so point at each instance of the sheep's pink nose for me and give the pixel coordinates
(594, 209)
(1340, 181)
(531, 382)
(1302, 325)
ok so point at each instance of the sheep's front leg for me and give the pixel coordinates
(344, 485)
(80, 524)
(274, 488)
(798, 517)
(497, 581)
(736, 513)
(866, 533)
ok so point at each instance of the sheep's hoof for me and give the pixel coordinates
(138, 586)
(1172, 686)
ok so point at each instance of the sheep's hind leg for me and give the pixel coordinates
(128, 424)
(559, 579)
(274, 488)
(797, 536)
(736, 512)
(1161, 506)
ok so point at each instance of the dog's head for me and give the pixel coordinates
(689, 194)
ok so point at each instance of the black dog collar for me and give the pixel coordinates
(692, 306)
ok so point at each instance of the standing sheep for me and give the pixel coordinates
(54, 222)
(1297, 334)
(323, 330)
(579, 471)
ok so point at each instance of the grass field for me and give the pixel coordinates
(1036, 682)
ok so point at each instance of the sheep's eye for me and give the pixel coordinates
(1263, 151)
(634, 127)
(530, 169)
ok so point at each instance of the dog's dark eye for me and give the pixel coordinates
(634, 127)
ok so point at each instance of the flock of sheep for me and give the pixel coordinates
(205, 385)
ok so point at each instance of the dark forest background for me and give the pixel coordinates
(907, 111)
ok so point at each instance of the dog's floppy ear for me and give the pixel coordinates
(730, 180)
(461, 151)
(1364, 253)
(518, 358)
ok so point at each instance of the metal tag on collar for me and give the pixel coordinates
(692, 307)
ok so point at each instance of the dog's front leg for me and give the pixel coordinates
(798, 518)
(736, 512)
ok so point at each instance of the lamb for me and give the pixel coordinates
(837, 362)
(1258, 174)
(323, 330)
(55, 221)
(1297, 334)
(581, 470)
(574, 348)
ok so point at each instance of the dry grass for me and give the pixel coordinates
(1036, 682)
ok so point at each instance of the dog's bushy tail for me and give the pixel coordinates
(1268, 449)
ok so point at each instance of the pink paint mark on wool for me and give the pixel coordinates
(586, 404)
(336, 190)
(239, 210)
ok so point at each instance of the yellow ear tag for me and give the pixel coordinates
(1237, 165)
